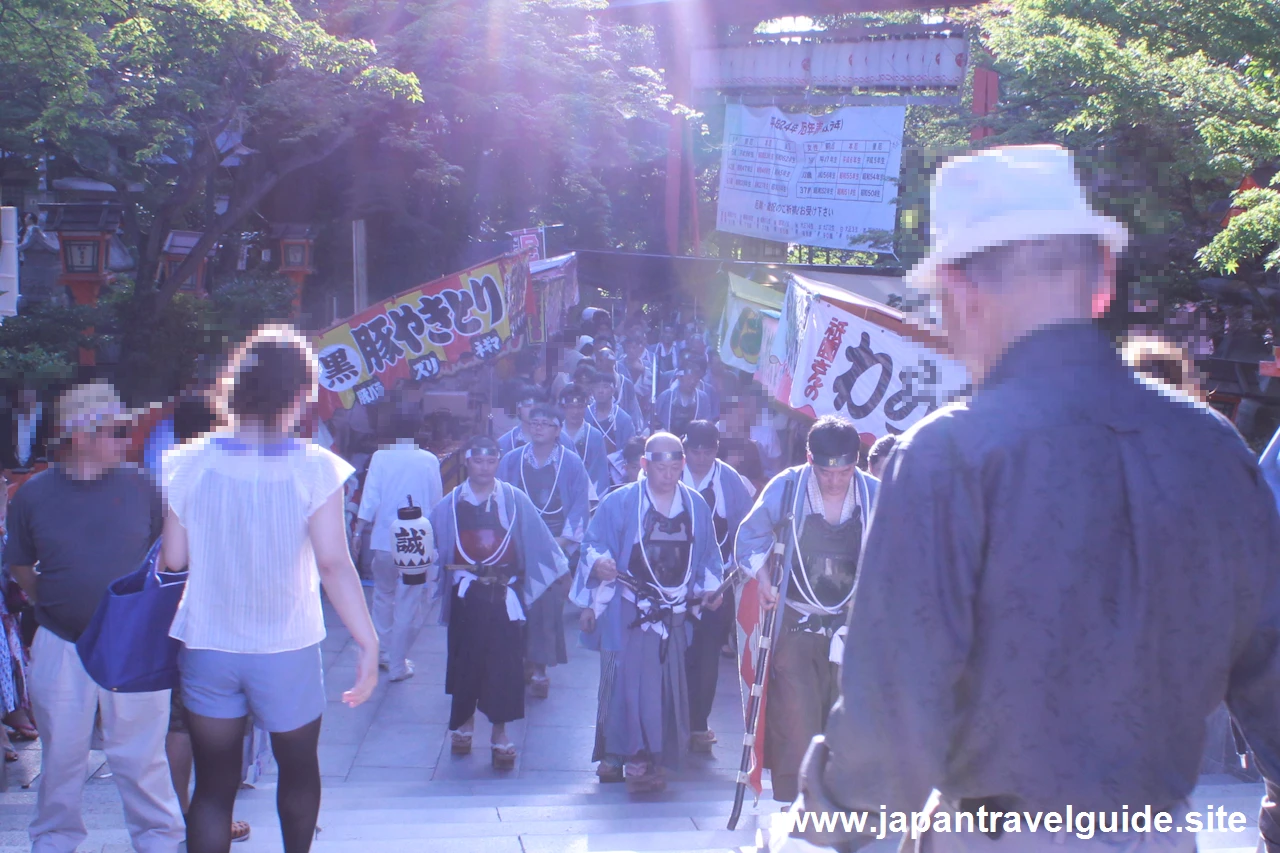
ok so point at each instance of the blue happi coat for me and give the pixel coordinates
(595, 459)
(628, 398)
(665, 399)
(515, 437)
(624, 426)
(756, 533)
(573, 485)
(613, 532)
(733, 500)
(541, 558)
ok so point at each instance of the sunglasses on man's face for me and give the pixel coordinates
(121, 431)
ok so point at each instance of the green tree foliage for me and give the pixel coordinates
(1170, 104)
(40, 347)
(154, 96)
(534, 112)
(170, 343)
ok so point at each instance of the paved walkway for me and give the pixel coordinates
(391, 784)
(400, 733)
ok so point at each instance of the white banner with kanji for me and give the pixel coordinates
(872, 375)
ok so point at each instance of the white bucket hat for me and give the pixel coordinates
(1005, 195)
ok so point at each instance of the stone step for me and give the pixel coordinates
(676, 841)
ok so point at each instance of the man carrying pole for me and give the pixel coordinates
(831, 503)
(650, 550)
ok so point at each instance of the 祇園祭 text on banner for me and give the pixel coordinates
(873, 376)
(459, 321)
(815, 180)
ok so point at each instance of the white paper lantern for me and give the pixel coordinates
(414, 544)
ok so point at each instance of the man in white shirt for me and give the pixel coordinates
(398, 473)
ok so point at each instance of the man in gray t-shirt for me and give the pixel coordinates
(84, 534)
(73, 529)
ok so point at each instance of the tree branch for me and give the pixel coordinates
(242, 208)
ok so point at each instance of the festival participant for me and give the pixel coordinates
(616, 425)
(400, 474)
(624, 465)
(684, 403)
(728, 496)
(831, 502)
(878, 458)
(588, 440)
(650, 552)
(635, 362)
(558, 486)
(628, 399)
(495, 558)
(664, 355)
(519, 435)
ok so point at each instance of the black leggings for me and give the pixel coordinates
(218, 746)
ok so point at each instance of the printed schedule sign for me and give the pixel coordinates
(815, 180)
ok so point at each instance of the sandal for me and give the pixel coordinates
(644, 778)
(504, 755)
(609, 773)
(24, 733)
(239, 831)
(539, 686)
(460, 743)
(701, 742)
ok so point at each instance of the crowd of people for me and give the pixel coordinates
(1029, 600)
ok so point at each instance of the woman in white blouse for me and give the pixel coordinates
(257, 517)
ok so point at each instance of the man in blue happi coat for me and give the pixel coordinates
(556, 483)
(587, 439)
(625, 390)
(684, 402)
(604, 413)
(831, 502)
(495, 559)
(726, 493)
(649, 556)
(519, 435)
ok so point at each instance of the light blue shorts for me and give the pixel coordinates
(283, 691)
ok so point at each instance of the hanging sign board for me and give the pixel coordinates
(459, 321)
(829, 180)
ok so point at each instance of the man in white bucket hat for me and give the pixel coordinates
(1063, 577)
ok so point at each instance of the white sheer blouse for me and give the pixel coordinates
(253, 586)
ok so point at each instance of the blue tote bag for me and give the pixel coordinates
(127, 647)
